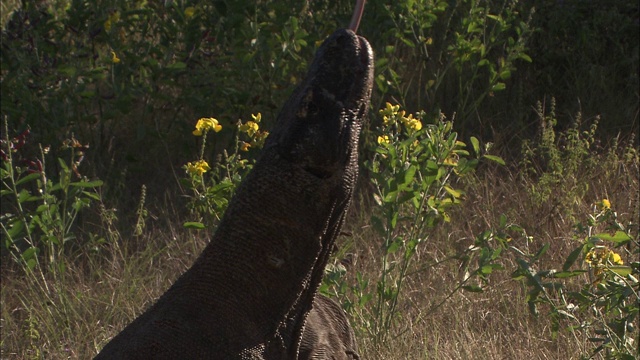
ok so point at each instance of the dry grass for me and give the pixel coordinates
(98, 295)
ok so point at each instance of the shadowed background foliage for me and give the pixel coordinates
(130, 78)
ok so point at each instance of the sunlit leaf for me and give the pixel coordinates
(194, 225)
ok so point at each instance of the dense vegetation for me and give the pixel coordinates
(497, 214)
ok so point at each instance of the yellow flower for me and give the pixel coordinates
(198, 168)
(615, 258)
(250, 128)
(206, 124)
(411, 123)
(605, 204)
(450, 161)
(114, 58)
(244, 146)
(389, 110)
(383, 139)
(257, 117)
(188, 12)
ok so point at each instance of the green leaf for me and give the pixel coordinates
(15, 229)
(525, 57)
(87, 184)
(28, 178)
(409, 175)
(455, 193)
(91, 195)
(540, 252)
(496, 159)
(571, 259)
(568, 274)
(620, 237)
(621, 270)
(475, 143)
(194, 225)
(503, 221)
(499, 86)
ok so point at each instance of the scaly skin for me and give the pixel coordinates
(249, 293)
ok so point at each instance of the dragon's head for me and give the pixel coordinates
(319, 126)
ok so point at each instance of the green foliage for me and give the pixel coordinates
(126, 76)
(414, 173)
(607, 305)
(39, 212)
(553, 166)
(455, 55)
(210, 193)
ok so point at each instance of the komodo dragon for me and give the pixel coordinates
(250, 293)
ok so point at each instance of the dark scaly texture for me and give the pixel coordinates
(249, 293)
(327, 333)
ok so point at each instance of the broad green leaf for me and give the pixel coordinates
(621, 270)
(506, 74)
(455, 193)
(15, 229)
(503, 221)
(496, 159)
(525, 57)
(28, 178)
(30, 253)
(499, 86)
(409, 174)
(571, 259)
(391, 196)
(620, 237)
(475, 143)
(194, 225)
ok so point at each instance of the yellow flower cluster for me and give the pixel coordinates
(391, 114)
(197, 168)
(605, 204)
(383, 139)
(411, 123)
(206, 124)
(599, 258)
(602, 256)
(252, 129)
